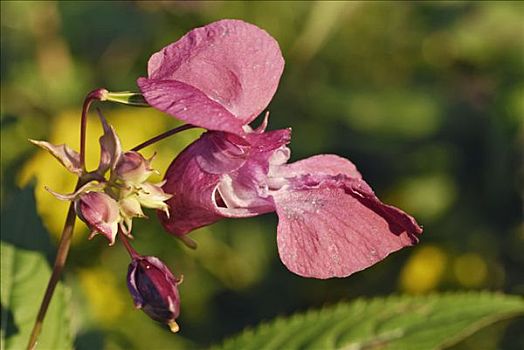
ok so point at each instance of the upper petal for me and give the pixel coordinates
(230, 62)
(327, 164)
(333, 226)
(189, 104)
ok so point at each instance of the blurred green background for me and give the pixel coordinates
(425, 98)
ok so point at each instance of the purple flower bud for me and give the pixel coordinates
(133, 167)
(100, 212)
(154, 289)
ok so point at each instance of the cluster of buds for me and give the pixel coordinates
(108, 205)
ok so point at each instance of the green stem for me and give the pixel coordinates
(128, 98)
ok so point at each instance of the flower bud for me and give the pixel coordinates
(154, 289)
(130, 208)
(153, 196)
(100, 212)
(133, 167)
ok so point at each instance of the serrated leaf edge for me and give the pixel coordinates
(345, 305)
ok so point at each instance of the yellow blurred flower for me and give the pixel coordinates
(424, 270)
(106, 301)
(470, 270)
(426, 197)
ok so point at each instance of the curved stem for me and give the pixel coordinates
(67, 232)
(61, 257)
(132, 252)
(97, 94)
(163, 136)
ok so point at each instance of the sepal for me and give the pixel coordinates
(110, 147)
(68, 157)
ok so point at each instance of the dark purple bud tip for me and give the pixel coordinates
(154, 290)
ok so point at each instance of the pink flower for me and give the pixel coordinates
(221, 77)
(331, 224)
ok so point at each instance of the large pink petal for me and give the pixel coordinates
(326, 164)
(189, 104)
(333, 226)
(230, 62)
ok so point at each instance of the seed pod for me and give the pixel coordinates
(154, 289)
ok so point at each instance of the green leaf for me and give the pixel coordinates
(405, 322)
(25, 268)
